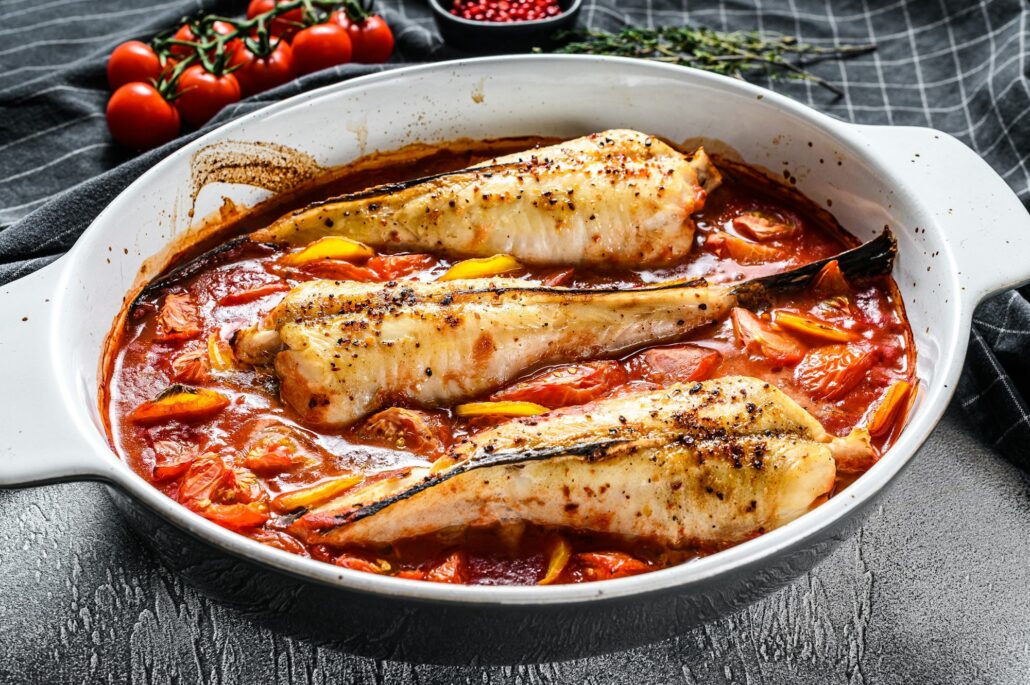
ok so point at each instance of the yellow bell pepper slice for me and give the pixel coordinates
(314, 495)
(180, 403)
(482, 268)
(331, 247)
(559, 559)
(500, 409)
(891, 409)
(810, 327)
(220, 354)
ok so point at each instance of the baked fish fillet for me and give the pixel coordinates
(617, 197)
(706, 464)
(343, 350)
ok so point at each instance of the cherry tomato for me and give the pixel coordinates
(833, 371)
(761, 339)
(206, 475)
(371, 39)
(138, 117)
(607, 565)
(185, 33)
(259, 74)
(680, 364)
(132, 61)
(319, 47)
(202, 94)
(393, 266)
(567, 385)
(285, 25)
(406, 429)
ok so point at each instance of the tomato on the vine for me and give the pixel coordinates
(371, 38)
(201, 94)
(256, 74)
(132, 61)
(285, 25)
(319, 47)
(140, 118)
(185, 33)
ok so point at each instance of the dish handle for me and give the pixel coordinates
(983, 218)
(40, 442)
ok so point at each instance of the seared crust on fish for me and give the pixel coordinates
(706, 464)
(349, 349)
(613, 198)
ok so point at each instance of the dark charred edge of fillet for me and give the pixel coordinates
(481, 459)
(551, 290)
(874, 258)
(389, 188)
(192, 268)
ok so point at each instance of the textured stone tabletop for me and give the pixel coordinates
(932, 590)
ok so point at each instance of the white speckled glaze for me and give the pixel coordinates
(962, 235)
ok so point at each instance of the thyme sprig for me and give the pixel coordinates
(741, 54)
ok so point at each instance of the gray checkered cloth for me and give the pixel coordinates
(956, 65)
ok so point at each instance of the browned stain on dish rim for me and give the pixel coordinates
(272, 166)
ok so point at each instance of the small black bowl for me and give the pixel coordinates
(484, 37)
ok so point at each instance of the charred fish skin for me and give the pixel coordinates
(704, 464)
(434, 349)
(613, 198)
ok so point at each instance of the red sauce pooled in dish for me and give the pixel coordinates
(842, 349)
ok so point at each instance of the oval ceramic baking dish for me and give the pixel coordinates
(962, 235)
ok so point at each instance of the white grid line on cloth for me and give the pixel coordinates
(84, 17)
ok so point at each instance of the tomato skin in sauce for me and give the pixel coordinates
(233, 452)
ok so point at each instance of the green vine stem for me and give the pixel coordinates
(739, 54)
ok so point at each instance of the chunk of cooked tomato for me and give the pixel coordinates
(360, 563)
(761, 339)
(407, 429)
(393, 266)
(608, 565)
(832, 371)
(204, 478)
(339, 270)
(171, 459)
(679, 363)
(237, 516)
(453, 569)
(191, 366)
(830, 280)
(179, 318)
(559, 278)
(742, 251)
(279, 540)
(566, 385)
(232, 499)
(764, 226)
(253, 294)
(274, 449)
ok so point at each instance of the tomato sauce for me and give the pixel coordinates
(842, 349)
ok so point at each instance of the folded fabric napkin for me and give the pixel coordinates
(953, 65)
